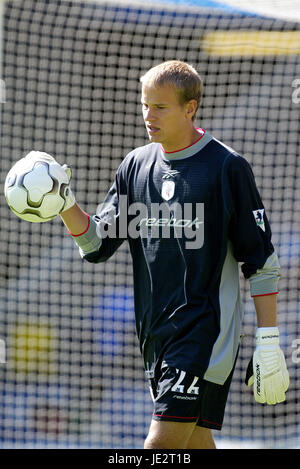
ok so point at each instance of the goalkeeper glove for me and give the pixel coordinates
(60, 172)
(267, 370)
(69, 196)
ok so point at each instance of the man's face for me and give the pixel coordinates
(166, 119)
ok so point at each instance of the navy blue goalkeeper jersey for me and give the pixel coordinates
(190, 218)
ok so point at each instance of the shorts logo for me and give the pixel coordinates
(183, 388)
(259, 218)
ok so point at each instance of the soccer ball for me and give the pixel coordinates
(36, 187)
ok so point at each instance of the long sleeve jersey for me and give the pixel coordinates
(190, 217)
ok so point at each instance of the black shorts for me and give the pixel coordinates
(179, 396)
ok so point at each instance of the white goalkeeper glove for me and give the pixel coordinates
(267, 370)
(60, 172)
(69, 196)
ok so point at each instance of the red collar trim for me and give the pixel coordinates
(176, 151)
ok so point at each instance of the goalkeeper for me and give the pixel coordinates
(187, 299)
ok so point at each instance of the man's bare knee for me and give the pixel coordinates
(168, 435)
(153, 442)
(159, 442)
(201, 438)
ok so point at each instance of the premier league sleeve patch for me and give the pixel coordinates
(259, 218)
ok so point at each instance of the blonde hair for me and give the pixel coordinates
(183, 76)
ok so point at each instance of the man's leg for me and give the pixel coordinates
(168, 435)
(201, 438)
(177, 435)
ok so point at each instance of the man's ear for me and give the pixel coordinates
(191, 108)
